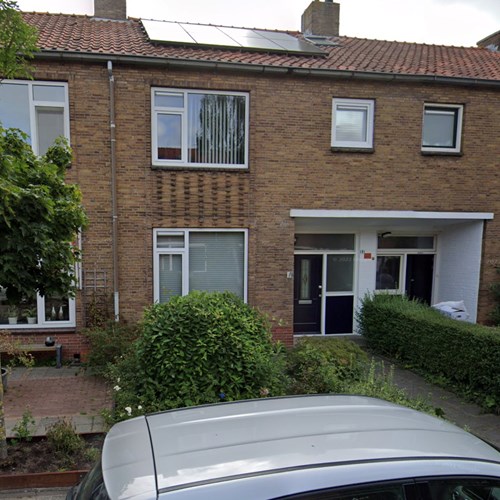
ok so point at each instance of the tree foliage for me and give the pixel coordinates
(18, 41)
(40, 216)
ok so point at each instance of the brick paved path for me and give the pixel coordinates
(50, 393)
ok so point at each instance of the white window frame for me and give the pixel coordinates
(367, 105)
(183, 113)
(33, 105)
(184, 253)
(457, 110)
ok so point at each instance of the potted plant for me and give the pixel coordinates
(12, 313)
(30, 313)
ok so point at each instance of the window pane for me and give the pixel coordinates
(170, 241)
(56, 309)
(50, 125)
(398, 242)
(54, 93)
(439, 128)
(339, 273)
(324, 242)
(169, 137)
(350, 124)
(169, 100)
(465, 488)
(216, 262)
(14, 107)
(216, 129)
(388, 268)
(170, 276)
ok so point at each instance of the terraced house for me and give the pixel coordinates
(297, 170)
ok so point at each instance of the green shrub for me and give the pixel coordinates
(108, 343)
(200, 348)
(319, 365)
(23, 430)
(464, 355)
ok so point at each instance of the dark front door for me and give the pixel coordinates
(307, 294)
(419, 272)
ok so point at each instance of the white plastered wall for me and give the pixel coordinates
(459, 264)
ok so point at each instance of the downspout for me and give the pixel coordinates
(112, 127)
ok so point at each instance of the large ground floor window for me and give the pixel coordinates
(45, 312)
(199, 259)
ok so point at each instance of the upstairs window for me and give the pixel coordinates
(442, 128)
(352, 123)
(40, 109)
(199, 128)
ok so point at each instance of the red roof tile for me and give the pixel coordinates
(82, 34)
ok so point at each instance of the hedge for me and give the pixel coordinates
(464, 355)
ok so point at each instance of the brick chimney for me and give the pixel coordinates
(321, 18)
(110, 9)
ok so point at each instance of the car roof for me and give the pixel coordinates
(179, 448)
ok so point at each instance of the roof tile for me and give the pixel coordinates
(83, 34)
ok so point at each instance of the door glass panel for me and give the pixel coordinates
(324, 242)
(340, 273)
(170, 276)
(388, 272)
(50, 125)
(305, 279)
(169, 137)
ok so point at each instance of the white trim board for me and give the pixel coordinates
(389, 214)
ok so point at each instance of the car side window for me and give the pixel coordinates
(378, 491)
(464, 489)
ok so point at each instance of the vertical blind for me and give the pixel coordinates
(216, 129)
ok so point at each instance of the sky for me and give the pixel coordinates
(441, 22)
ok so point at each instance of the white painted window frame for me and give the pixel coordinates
(367, 105)
(42, 322)
(458, 110)
(184, 252)
(183, 112)
(34, 104)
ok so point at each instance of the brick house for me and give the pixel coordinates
(298, 170)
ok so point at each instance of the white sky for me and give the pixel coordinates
(446, 22)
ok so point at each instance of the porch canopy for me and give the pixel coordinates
(458, 245)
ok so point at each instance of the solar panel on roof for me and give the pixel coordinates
(220, 36)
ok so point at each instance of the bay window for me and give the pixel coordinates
(206, 260)
(199, 128)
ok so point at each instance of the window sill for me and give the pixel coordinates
(336, 149)
(441, 153)
(188, 168)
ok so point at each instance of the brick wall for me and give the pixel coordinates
(291, 166)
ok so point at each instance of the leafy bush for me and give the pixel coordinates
(108, 343)
(318, 365)
(200, 348)
(23, 430)
(464, 355)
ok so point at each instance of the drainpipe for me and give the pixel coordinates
(112, 126)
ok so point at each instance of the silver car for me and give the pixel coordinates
(314, 447)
